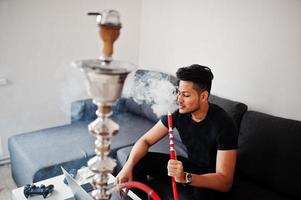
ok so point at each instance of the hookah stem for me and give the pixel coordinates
(141, 186)
(172, 154)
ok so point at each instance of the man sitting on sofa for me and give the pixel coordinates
(206, 130)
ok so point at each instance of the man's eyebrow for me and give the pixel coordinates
(183, 91)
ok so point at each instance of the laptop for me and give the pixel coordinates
(80, 194)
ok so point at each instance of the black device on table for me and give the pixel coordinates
(32, 189)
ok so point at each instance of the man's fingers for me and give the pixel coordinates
(174, 172)
(123, 180)
(174, 168)
(173, 164)
(120, 180)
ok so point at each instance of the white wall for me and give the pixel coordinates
(38, 41)
(252, 46)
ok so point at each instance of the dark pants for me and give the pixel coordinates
(152, 170)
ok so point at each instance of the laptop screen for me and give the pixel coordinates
(80, 194)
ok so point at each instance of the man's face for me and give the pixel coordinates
(188, 97)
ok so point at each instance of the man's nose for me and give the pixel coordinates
(180, 99)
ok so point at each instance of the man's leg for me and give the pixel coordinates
(152, 165)
(155, 166)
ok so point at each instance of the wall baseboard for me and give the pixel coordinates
(4, 160)
(1, 147)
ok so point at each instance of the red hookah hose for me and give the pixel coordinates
(141, 186)
(172, 154)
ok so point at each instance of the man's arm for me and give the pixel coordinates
(221, 180)
(140, 149)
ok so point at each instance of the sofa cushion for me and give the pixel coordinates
(234, 109)
(269, 152)
(131, 128)
(148, 94)
(39, 154)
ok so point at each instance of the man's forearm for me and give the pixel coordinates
(139, 150)
(222, 179)
(141, 147)
(214, 181)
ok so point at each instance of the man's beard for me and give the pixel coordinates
(195, 108)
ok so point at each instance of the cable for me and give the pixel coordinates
(141, 186)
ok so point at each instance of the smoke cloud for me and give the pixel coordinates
(73, 86)
(152, 88)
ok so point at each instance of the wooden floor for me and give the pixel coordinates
(6, 182)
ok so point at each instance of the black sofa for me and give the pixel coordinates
(269, 158)
(268, 155)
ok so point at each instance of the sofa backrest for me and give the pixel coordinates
(234, 109)
(269, 152)
(85, 109)
(131, 100)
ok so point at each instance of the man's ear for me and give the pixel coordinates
(204, 95)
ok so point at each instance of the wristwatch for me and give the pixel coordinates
(188, 178)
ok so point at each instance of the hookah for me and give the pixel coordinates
(106, 78)
(172, 154)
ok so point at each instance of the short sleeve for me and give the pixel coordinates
(164, 119)
(228, 136)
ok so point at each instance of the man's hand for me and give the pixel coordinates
(124, 175)
(176, 170)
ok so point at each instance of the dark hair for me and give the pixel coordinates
(200, 75)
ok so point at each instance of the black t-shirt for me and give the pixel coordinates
(202, 139)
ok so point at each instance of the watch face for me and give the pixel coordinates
(188, 178)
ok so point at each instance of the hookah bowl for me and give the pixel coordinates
(106, 78)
